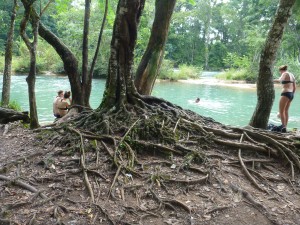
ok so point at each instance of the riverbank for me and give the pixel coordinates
(225, 83)
(158, 189)
(215, 81)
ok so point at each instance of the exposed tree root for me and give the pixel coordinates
(249, 176)
(152, 146)
(255, 203)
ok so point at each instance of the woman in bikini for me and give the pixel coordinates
(288, 82)
(63, 104)
(60, 96)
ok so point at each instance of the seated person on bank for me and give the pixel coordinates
(63, 104)
(60, 96)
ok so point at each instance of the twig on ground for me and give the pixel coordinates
(23, 185)
(82, 159)
(114, 181)
(189, 182)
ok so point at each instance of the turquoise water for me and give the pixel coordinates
(228, 105)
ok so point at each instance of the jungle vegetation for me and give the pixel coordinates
(203, 35)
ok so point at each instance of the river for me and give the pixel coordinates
(228, 105)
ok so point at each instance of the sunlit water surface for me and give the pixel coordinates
(228, 105)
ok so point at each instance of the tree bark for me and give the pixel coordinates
(28, 5)
(119, 83)
(8, 57)
(265, 86)
(97, 48)
(150, 64)
(207, 27)
(86, 79)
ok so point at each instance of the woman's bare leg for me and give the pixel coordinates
(286, 110)
(282, 109)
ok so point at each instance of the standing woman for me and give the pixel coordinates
(288, 82)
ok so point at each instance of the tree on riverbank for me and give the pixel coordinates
(80, 82)
(150, 63)
(28, 6)
(265, 86)
(8, 57)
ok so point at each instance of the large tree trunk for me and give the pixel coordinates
(86, 79)
(149, 66)
(86, 96)
(207, 27)
(8, 57)
(265, 86)
(119, 84)
(34, 123)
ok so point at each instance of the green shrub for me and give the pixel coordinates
(46, 59)
(20, 64)
(226, 75)
(13, 105)
(182, 73)
(186, 72)
(232, 60)
(166, 70)
(238, 74)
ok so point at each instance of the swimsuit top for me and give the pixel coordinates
(288, 81)
(62, 105)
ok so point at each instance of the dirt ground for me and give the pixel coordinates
(43, 184)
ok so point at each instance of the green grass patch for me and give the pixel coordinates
(13, 105)
(189, 72)
(238, 74)
(184, 72)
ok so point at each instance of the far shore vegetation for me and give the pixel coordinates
(240, 68)
(234, 44)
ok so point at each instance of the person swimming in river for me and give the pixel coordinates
(197, 100)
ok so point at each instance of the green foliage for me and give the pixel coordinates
(62, 5)
(166, 70)
(186, 71)
(14, 105)
(232, 30)
(238, 62)
(20, 64)
(216, 55)
(144, 29)
(182, 73)
(47, 59)
(238, 74)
